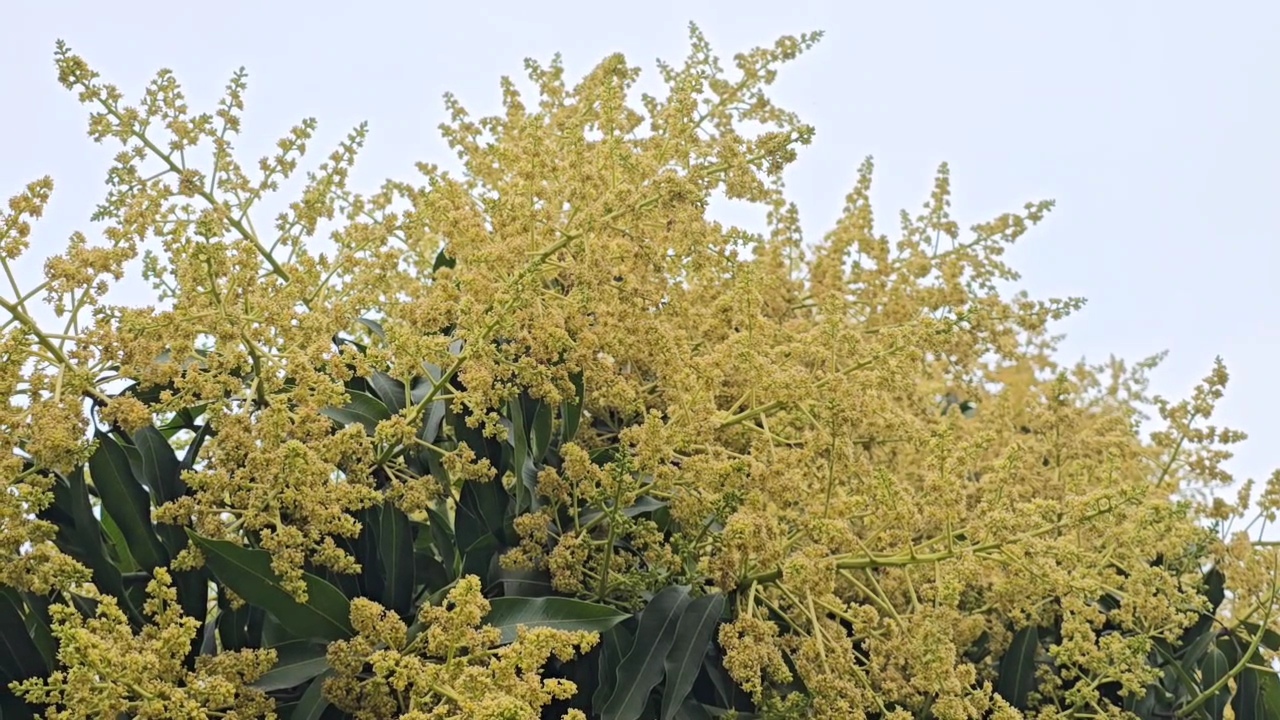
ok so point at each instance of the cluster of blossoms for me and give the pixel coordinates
(780, 400)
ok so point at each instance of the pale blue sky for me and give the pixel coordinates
(1153, 124)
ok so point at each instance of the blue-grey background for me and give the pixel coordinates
(1153, 124)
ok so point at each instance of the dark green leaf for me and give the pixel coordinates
(375, 327)
(127, 501)
(1213, 668)
(193, 450)
(540, 432)
(693, 637)
(1249, 702)
(442, 537)
(157, 467)
(643, 504)
(508, 613)
(88, 533)
(615, 643)
(12, 708)
(313, 703)
(524, 583)
(248, 573)
(1018, 667)
(395, 551)
(691, 709)
(297, 661)
(389, 390)
(443, 260)
(20, 657)
(482, 510)
(642, 668)
(362, 408)
(40, 627)
(519, 439)
(117, 545)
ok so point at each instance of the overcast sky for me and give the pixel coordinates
(1153, 124)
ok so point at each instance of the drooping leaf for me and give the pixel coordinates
(362, 408)
(389, 390)
(127, 502)
(443, 539)
(40, 627)
(643, 504)
(313, 704)
(395, 553)
(615, 643)
(88, 532)
(1249, 703)
(693, 636)
(1213, 668)
(540, 432)
(20, 657)
(641, 670)
(560, 613)
(518, 436)
(1018, 667)
(248, 573)
(297, 661)
(157, 467)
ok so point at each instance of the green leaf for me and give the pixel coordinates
(313, 703)
(1249, 702)
(297, 661)
(482, 511)
(375, 327)
(691, 709)
(615, 643)
(443, 260)
(127, 502)
(519, 439)
(157, 466)
(693, 637)
(1018, 667)
(443, 538)
(117, 546)
(12, 708)
(88, 533)
(643, 504)
(20, 657)
(642, 668)
(395, 553)
(389, 390)
(40, 627)
(540, 432)
(362, 408)
(247, 572)
(1213, 668)
(158, 469)
(509, 613)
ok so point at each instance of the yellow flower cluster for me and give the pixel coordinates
(862, 441)
(452, 667)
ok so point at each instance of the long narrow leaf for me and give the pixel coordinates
(693, 637)
(297, 661)
(642, 668)
(1018, 667)
(395, 551)
(247, 572)
(127, 501)
(509, 613)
